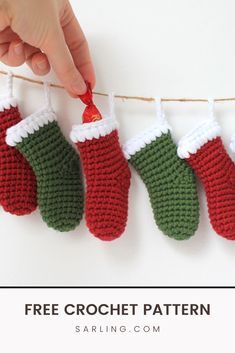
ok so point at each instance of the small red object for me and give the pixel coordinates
(106, 171)
(91, 112)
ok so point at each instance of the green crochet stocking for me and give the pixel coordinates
(170, 181)
(56, 166)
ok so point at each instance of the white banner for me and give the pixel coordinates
(115, 320)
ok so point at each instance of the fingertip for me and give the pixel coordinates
(40, 64)
(16, 53)
(93, 82)
(63, 65)
(88, 73)
(72, 95)
(77, 86)
(91, 79)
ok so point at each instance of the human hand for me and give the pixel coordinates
(45, 34)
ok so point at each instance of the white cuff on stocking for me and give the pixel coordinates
(135, 144)
(95, 130)
(7, 103)
(29, 125)
(194, 140)
(232, 143)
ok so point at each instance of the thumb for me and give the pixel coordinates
(62, 63)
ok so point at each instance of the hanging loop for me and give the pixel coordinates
(211, 108)
(47, 93)
(160, 112)
(9, 84)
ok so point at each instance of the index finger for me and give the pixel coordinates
(78, 45)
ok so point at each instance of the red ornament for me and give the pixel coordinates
(91, 112)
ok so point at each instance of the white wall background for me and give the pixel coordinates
(153, 47)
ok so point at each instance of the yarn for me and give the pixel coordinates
(170, 182)
(203, 149)
(18, 193)
(107, 177)
(35, 157)
(56, 166)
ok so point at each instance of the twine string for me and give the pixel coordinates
(124, 97)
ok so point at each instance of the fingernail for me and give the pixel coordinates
(42, 65)
(19, 49)
(79, 87)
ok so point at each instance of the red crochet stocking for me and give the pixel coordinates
(107, 174)
(17, 181)
(204, 151)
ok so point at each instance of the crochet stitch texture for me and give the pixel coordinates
(18, 190)
(57, 168)
(216, 170)
(107, 178)
(170, 183)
